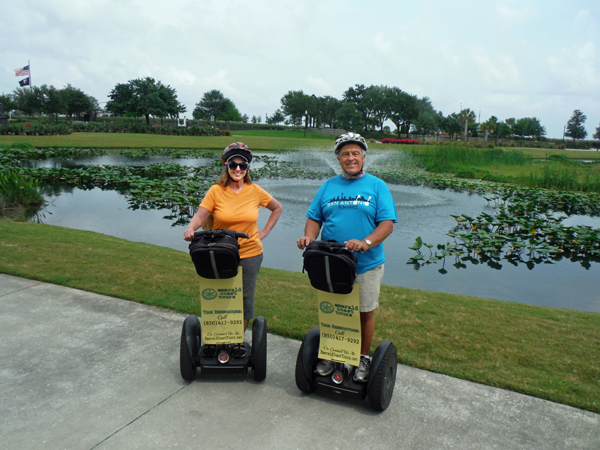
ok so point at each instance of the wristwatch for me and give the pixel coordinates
(368, 242)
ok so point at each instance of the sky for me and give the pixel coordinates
(498, 58)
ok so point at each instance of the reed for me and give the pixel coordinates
(17, 190)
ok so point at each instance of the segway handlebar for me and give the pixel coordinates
(232, 233)
(334, 244)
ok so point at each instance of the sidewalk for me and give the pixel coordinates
(85, 371)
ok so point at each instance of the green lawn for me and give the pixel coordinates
(544, 352)
(262, 140)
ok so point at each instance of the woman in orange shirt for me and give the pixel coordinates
(233, 202)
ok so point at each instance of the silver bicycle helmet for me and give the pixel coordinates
(237, 149)
(348, 138)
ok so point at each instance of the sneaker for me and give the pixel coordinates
(209, 351)
(361, 374)
(238, 350)
(324, 368)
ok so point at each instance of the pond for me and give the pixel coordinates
(422, 212)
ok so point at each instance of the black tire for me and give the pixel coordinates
(259, 365)
(187, 364)
(383, 380)
(306, 384)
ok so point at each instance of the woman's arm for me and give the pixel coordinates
(276, 209)
(196, 223)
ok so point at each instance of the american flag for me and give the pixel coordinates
(22, 72)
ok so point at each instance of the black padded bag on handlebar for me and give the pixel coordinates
(330, 266)
(216, 253)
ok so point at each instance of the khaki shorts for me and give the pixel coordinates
(370, 284)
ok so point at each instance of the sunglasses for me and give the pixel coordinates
(242, 165)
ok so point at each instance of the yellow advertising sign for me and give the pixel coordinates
(339, 320)
(222, 305)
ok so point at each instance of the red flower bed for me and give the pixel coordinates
(398, 141)
(226, 132)
(27, 125)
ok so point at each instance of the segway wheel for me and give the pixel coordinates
(305, 383)
(190, 344)
(259, 342)
(383, 380)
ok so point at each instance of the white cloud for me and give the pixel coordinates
(513, 15)
(383, 45)
(319, 85)
(574, 70)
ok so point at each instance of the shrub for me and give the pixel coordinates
(398, 141)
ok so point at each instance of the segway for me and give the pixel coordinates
(321, 263)
(215, 254)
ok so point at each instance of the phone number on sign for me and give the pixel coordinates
(221, 322)
(337, 337)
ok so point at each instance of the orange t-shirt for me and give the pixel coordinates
(238, 212)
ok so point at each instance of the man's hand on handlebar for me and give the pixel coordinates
(355, 245)
(303, 242)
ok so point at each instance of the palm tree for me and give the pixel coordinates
(465, 117)
(489, 126)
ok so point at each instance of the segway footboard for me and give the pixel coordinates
(222, 361)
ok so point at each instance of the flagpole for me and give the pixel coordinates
(30, 84)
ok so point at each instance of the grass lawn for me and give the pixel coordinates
(544, 352)
(265, 140)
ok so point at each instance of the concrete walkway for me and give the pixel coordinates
(85, 371)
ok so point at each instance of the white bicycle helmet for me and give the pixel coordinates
(348, 138)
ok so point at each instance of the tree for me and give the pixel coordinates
(76, 101)
(503, 130)
(348, 117)
(528, 127)
(597, 133)
(230, 113)
(380, 106)
(30, 101)
(212, 106)
(144, 97)
(368, 101)
(575, 128)
(55, 101)
(489, 126)
(295, 104)
(426, 124)
(596, 136)
(328, 107)
(464, 118)
(403, 109)
(8, 102)
(276, 118)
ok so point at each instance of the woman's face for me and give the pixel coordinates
(236, 174)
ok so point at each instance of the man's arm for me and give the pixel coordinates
(377, 236)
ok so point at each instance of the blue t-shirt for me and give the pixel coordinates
(352, 209)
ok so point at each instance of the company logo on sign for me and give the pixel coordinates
(326, 307)
(209, 294)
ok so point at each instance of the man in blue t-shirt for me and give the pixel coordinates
(357, 209)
